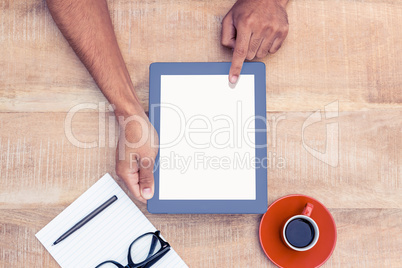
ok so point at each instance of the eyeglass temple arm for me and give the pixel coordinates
(157, 258)
(153, 245)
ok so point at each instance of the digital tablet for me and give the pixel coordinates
(213, 138)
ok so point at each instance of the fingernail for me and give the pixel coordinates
(233, 79)
(147, 193)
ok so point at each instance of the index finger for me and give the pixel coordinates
(239, 53)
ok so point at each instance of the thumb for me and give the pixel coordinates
(228, 38)
(146, 178)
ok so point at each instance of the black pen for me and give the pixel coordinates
(89, 217)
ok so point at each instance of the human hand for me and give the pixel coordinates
(135, 154)
(100, 53)
(253, 28)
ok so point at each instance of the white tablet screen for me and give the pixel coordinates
(207, 138)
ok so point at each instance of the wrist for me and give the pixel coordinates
(127, 104)
(128, 109)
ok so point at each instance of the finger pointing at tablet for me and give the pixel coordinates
(239, 53)
(253, 29)
(239, 42)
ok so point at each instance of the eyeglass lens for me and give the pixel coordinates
(107, 265)
(145, 247)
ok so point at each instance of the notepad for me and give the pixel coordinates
(212, 134)
(105, 237)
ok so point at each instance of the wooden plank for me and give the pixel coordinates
(41, 159)
(343, 50)
(366, 238)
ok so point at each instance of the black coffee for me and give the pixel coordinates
(300, 233)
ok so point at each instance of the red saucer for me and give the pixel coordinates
(274, 219)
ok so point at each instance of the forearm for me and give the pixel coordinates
(87, 27)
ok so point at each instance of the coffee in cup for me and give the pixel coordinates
(301, 232)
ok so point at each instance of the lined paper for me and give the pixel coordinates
(107, 236)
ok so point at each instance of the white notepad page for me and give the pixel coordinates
(107, 236)
(207, 138)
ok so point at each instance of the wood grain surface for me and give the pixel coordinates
(347, 52)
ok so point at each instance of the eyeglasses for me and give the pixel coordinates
(143, 252)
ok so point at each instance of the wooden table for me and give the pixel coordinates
(349, 52)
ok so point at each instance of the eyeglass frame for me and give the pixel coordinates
(165, 247)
